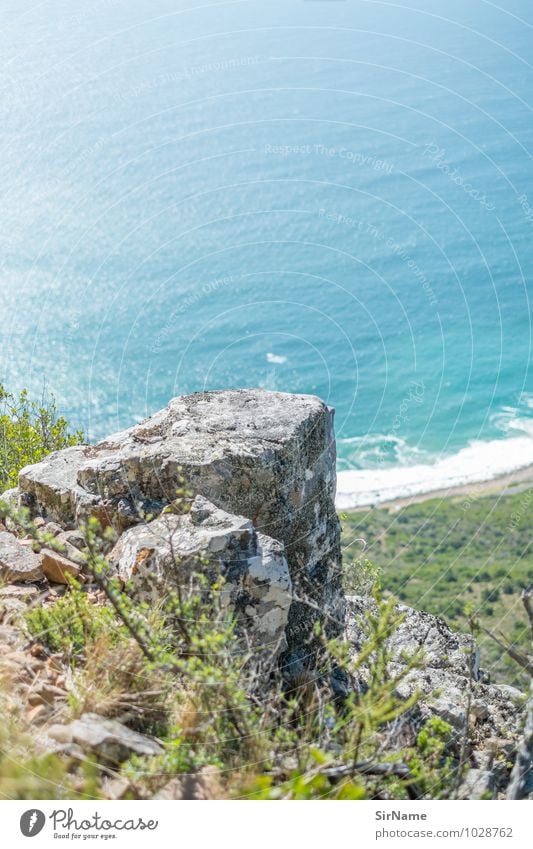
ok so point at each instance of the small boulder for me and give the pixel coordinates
(74, 538)
(68, 550)
(14, 598)
(115, 787)
(477, 784)
(52, 528)
(57, 568)
(109, 739)
(18, 562)
(450, 708)
(11, 497)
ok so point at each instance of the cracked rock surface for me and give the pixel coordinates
(159, 555)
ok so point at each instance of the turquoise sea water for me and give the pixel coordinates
(333, 197)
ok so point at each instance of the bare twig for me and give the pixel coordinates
(523, 660)
(523, 766)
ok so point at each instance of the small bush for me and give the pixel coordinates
(69, 624)
(491, 595)
(28, 432)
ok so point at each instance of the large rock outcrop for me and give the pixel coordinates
(266, 456)
(259, 470)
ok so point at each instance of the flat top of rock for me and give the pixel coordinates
(238, 414)
(58, 470)
(205, 529)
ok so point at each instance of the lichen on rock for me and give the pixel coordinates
(156, 556)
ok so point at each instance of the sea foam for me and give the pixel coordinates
(480, 461)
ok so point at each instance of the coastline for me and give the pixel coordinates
(504, 484)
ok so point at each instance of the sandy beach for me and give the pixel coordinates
(512, 482)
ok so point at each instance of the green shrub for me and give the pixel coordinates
(28, 432)
(491, 595)
(67, 625)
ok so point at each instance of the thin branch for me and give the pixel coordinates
(523, 661)
(523, 766)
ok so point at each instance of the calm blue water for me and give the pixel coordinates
(324, 197)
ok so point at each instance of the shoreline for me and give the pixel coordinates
(505, 484)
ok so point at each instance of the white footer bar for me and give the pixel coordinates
(278, 825)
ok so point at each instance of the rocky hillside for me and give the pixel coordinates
(257, 472)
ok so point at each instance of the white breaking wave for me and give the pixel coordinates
(375, 449)
(478, 462)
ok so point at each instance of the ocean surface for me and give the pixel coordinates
(318, 196)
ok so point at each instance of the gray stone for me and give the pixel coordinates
(443, 679)
(116, 788)
(24, 593)
(14, 599)
(11, 497)
(506, 692)
(108, 739)
(71, 551)
(443, 648)
(477, 784)
(73, 538)
(158, 555)
(59, 569)
(52, 529)
(200, 786)
(51, 488)
(267, 456)
(18, 562)
(451, 709)
(10, 637)
(479, 709)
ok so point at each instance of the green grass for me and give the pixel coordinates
(443, 554)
